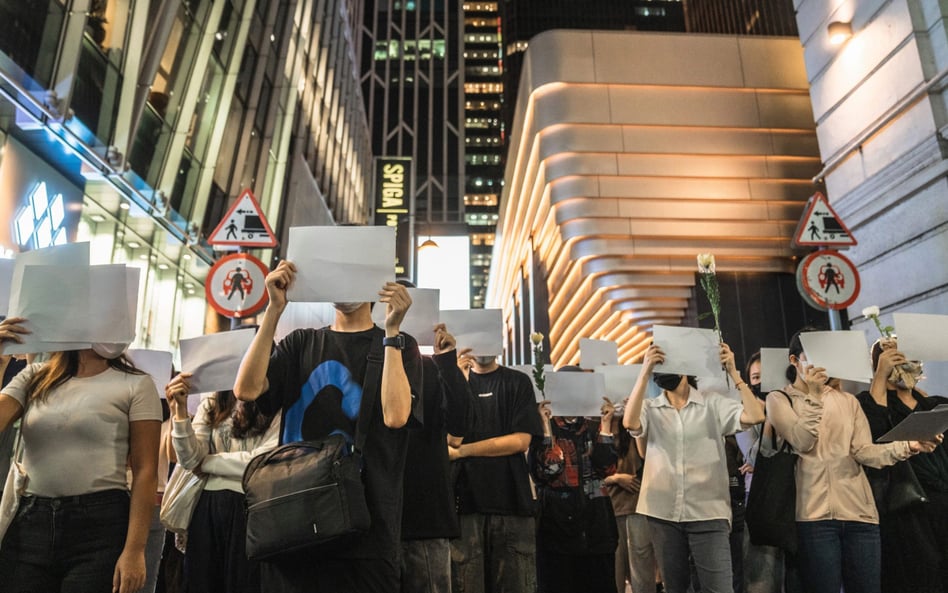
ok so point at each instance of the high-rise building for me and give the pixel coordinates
(144, 120)
(483, 135)
(741, 17)
(412, 84)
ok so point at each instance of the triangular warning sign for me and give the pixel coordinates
(821, 226)
(244, 225)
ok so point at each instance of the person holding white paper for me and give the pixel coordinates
(497, 548)
(315, 377)
(429, 516)
(914, 536)
(220, 441)
(576, 532)
(685, 492)
(837, 520)
(78, 527)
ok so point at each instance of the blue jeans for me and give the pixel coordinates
(64, 544)
(836, 554)
(706, 541)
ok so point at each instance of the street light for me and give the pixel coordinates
(839, 32)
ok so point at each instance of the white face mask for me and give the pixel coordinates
(110, 350)
(346, 307)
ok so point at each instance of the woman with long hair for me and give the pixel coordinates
(79, 528)
(220, 441)
(837, 520)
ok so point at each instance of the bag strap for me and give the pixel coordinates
(773, 432)
(371, 388)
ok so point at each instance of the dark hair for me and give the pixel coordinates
(755, 357)
(248, 421)
(64, 365)
(796, 349)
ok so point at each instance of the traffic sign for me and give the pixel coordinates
(236, 285)
(244, 225)
(829, 279)
(820, 226)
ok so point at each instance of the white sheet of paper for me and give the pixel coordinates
(214, 359)
(919, 426)
(6, 284)
(844, 354)
(421, 317)
(575, 394)
(594, 353)
(157, 363)
(479, 329)
(527, 369)
(688, 351)
(340, 264)
(619, 379)
(304, 315)
(773, 368)
(72, 254)
(922, 337)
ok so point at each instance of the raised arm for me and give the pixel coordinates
(396, 390)
(633, 407)
(252, 376)
(753, 412)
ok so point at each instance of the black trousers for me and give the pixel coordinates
(216, 557)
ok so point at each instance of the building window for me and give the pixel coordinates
(421, 49)
(480, 7)
(481, 38)
(517, 47)
(485, 239)
(481, 219)
(485, 200)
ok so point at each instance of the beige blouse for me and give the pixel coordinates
(832, 439)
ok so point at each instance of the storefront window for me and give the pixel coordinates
(205, 111)
(95, 96)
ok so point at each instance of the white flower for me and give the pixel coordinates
(706, 263)
(536, 338)
(872, 311)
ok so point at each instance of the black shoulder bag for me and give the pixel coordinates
(311, 492)
(772, 501)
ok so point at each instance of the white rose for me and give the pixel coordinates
(872, 311)
(536, 338)
(706, 263)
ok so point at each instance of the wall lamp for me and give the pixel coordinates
(839, 32)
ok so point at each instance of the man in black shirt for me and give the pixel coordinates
(315, 378)
(497, 548)
(429, 517)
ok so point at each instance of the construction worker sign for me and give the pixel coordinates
(829, 279)
(236, 285)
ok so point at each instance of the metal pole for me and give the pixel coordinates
(835, 319)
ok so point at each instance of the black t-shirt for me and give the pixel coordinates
(316, 380)
(429, 510)
(503, 403)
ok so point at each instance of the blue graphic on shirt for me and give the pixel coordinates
(330, 372)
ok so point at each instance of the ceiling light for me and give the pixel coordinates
(162, 266)
(839, 32)
(124, 205)
(428, 243)
(186, 256)
(134, 244)
(97, 218)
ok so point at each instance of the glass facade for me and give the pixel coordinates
(742, 17)
(157, 115)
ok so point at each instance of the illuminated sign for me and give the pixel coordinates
(41, 221)
(393, 205)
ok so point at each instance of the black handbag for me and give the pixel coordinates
(903, 489)
(309, 493)
(772, 502)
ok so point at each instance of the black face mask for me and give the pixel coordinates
(666, 381)
(755, 389)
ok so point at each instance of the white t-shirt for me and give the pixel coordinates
(76, 442)
(685, 475)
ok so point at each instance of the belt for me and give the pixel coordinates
(92, 497)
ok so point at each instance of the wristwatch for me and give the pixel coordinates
(395, 342)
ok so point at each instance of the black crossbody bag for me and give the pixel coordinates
(771, 510)
(309, 493)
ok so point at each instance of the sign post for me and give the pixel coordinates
(236, 284)
(825, 278)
